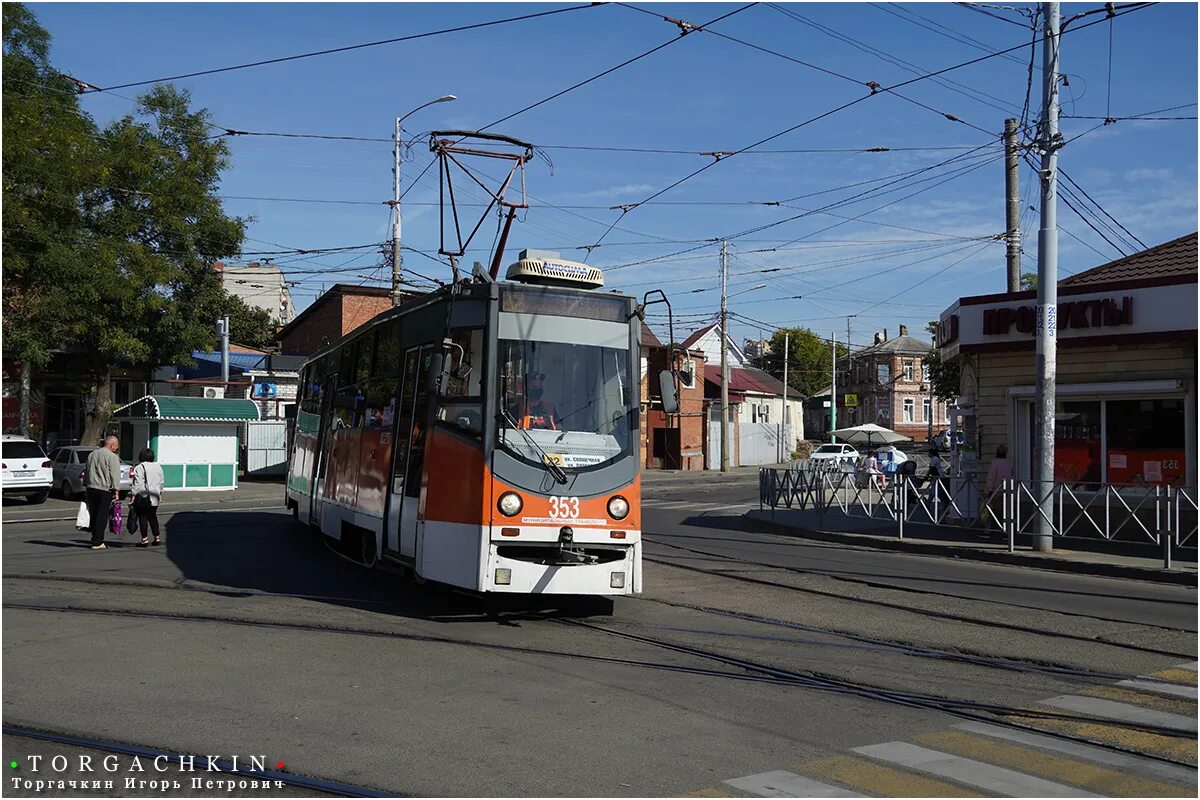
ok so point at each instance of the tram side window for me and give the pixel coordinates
(404, 424)
(380, 387)
(461, 403)
(365, 414)
(347, 400)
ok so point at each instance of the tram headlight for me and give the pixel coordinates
(618, 507)
(509, 504)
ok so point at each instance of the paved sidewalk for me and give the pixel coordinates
(966, 543)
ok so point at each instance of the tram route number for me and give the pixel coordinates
(564, 507)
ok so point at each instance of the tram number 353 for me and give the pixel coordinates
(564, 507)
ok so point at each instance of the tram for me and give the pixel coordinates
(485, 435)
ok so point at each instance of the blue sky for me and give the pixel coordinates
(900, 264)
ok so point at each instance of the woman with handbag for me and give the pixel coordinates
(147, 491)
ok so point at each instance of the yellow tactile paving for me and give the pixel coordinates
(1055, 767)
(1178, 749)
(1175, 675)
(874, 778)
(1121, 694)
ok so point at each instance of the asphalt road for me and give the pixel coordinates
(246, 634)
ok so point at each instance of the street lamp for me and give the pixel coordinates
(396, 258)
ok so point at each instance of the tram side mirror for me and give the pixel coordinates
(666, 386)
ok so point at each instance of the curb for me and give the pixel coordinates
(1152, 574)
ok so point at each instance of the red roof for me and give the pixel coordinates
(1176, 257)
(648, 337)
(743, 381)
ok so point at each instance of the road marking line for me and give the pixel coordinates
(1053, 766)
(780, 783)
(1110, 710)
(1146, 766)
(997, 780)
(875, 778)
(1112, 733)
(1191, 665)
(1154, 687)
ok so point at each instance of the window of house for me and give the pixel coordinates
(908, 371)
(927, 408)
(908, 409)
(924, 373)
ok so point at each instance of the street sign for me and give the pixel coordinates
(851, 401)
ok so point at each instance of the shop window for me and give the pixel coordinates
(908, 409)
(1077, 445)
(1146, 442)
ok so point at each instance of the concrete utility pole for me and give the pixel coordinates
(1047, 291)
(785, 436)
(832, 385)
(223, 334)
(397, 259)
(724, 362)
(1012, 177)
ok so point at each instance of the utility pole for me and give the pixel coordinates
(1012, 177)
(397, 260)
(785, 435)
(724, 363)
(1047, 290)
(223, 334)
(832, 385)
(849, 365)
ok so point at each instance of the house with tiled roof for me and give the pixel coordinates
(888, 384)
(1125, 335)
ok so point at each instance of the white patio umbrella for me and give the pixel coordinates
(869, 434)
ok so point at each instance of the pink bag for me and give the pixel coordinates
(114, 517)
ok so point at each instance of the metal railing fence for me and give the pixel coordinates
(1165, 516)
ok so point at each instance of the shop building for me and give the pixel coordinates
(1126, 376)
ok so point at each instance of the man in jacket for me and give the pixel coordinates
(103, 487)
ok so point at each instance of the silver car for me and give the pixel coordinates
(70, 470)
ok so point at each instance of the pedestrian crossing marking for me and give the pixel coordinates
(1155, 744)
(1176, 675)
(1157, 687)
(1174, 773)
(1170, 699)
(1055, 767)
(988, 777)
(875, 778)
(1122, 712)
(779, 783)
(709, 792)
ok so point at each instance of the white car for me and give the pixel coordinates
(27, 471)
(831, 455)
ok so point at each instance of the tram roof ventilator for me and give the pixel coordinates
(546, 268)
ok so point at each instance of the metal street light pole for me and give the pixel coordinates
(397, 260)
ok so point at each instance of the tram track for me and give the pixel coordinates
(944, 615)
(308, 783)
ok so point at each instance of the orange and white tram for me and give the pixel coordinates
(484, 436)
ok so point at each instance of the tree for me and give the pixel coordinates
(1029, 281)
(109, 236)
(944, 376)
(808, 359)
(51, 170)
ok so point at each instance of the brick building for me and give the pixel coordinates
(675, 442)
(888, 385)
(331, 316)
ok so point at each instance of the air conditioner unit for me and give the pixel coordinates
(214, 392)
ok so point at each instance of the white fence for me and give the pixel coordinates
(266, 447)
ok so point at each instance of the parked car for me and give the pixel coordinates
(27, 470)
(70, 471)
(833, 454)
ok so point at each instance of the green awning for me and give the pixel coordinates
(188, 409)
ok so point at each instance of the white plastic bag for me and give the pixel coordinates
(84, 519)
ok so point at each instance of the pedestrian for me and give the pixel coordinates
(999, 471)
(937, 471)
(147, 492)
(103, 488)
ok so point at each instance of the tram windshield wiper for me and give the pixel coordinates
(554, 469)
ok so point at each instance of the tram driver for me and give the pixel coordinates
(536, 413)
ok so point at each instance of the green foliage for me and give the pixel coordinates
(1029, 281)
(809, 357)
(944, 376)
(109, 235)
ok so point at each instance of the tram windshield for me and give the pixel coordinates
(571, 402)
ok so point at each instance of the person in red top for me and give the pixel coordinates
(537, 412)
